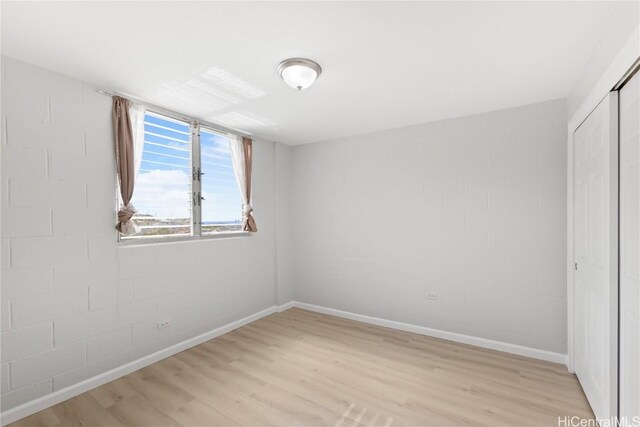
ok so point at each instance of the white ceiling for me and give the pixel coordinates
(385, 64)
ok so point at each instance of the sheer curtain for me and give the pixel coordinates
(128, 126)
(241, 154)
(136, 112)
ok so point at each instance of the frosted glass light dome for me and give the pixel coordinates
(299, 73)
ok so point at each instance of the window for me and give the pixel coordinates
(221, 201)
(186, 184)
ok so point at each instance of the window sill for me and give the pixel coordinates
(150, 241)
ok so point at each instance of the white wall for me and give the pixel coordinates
(74, 304)
(472, 209)
(622, 22)
(284, 221)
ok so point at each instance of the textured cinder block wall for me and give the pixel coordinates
(472, 209)
(73, 303)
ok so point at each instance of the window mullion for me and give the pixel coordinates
(196, 198)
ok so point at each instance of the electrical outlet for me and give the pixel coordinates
(431, 296)
(164, 323)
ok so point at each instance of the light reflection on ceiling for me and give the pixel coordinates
(215, 90)
(243, 119)
(219, 77)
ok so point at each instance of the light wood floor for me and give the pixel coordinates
(303, 368)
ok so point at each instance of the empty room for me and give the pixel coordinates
(320, 213)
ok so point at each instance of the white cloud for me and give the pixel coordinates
(163, 193)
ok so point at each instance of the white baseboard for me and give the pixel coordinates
(285, 306)
(29, 408)
(437, 333)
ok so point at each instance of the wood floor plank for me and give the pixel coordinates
(46, 418)
(113, 392)
(198, 413)
(138, 411)
(303, 368)
(84, 410)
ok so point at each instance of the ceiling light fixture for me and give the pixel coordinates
(299, 73)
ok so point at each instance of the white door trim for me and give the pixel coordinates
(629, 355)
(623, 61)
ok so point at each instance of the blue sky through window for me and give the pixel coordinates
(163, 185)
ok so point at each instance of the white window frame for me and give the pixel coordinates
(195, 126)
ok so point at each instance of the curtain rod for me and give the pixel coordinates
(176, 115)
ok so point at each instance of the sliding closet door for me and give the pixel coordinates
(629, 253)
(596, 242)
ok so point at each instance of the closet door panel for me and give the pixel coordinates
(595, 296)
